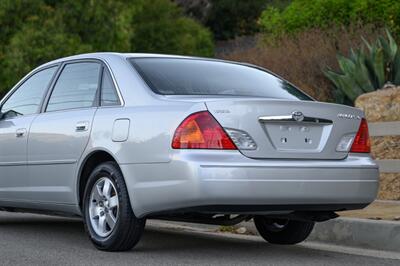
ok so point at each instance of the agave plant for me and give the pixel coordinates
(366, 69)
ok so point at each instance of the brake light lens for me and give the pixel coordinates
(361, 142)
(201, 131)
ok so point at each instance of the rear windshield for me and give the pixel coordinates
(176, 76)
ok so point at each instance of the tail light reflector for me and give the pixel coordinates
(201, 131)
(361, 142)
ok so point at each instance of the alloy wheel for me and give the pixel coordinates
(103, 207)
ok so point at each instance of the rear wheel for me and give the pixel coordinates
(282, 231)
(109, 219)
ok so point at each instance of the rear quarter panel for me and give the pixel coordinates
(150, 132)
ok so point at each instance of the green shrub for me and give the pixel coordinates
(306, 14)
(367, 69)
(103, 24)
(230, 18)
(160, 27)
(38, 41)
(41, 30)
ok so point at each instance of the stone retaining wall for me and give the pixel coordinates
(384, 106)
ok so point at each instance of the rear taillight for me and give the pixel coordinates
(201, 131)
(361, 141)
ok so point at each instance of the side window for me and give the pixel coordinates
(109, 95)
(76, 87)
(27, 98)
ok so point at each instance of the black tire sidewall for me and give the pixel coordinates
(125, 213)
(294, 231)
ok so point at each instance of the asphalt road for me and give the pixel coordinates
(27, 239)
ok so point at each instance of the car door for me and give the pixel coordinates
(18, 110)
(59, 135)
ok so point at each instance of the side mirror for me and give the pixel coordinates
(9, 114)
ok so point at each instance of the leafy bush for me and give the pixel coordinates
(231, 18)
(39, 40)
(305, 14)
(228, 19)
(42, 30)
(161, 27)
(300, 58)
(103, 24)
(365, 71)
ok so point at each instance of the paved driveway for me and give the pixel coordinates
(27, 239)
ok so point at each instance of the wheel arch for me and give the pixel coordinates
(90, 162)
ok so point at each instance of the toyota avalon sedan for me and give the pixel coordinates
(121, 138)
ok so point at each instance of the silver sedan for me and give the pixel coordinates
(121, 138)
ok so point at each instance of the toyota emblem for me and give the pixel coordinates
(298, 116)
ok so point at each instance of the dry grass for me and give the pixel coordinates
(378, 210)
(301, 58)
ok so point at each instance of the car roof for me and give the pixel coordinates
(108, 55)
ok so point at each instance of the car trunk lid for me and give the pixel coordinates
(288, 129)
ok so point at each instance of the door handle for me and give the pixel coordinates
(82, 126)
(20, 132)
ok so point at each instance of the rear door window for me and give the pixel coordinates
(76, 87)
(109, 95)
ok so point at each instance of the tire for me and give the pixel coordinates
(108, 216)
(283, 232)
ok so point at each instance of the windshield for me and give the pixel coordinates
(176, 76)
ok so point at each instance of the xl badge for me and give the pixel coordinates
(349, 116)
(298, 116)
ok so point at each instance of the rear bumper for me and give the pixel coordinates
(227, 181)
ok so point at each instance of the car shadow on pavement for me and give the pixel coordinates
(50, 238)
(71, 231)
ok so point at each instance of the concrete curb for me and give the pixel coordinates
(343, 232)
(352, 232)
(381, 235)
